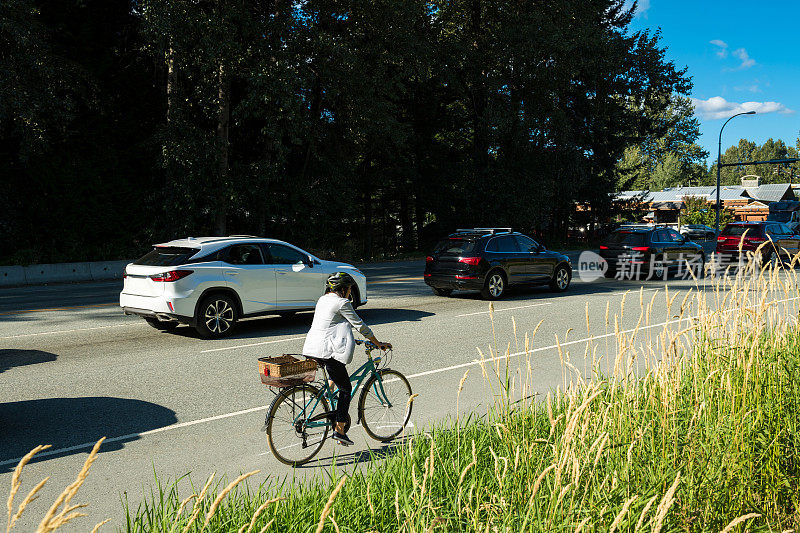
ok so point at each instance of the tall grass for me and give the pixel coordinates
(693, 425)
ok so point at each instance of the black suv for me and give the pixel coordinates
(491, 259)
(650, 252)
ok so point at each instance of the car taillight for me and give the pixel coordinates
(470, 260)
(603, 247)
(172, 275)
(429, 259)
(721, 238)
(640, 248)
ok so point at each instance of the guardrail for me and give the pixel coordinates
(61, 272)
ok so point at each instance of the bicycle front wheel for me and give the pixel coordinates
(384, 405)
(292, 438)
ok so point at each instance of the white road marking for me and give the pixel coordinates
(253, 344)
(505, 309)
(66, 331)
(181, 425)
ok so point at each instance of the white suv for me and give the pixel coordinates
(212, 282)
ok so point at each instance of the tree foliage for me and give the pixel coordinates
(358, 128)
(700, 211)
(746, 151)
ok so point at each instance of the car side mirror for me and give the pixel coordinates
(309, 262)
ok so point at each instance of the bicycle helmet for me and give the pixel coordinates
(340, 280)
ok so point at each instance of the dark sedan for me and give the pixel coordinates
(490, 260)
(651, 253)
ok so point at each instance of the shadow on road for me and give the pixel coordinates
(70, 422)
(358, 457)
(12, 358)
(299, 323)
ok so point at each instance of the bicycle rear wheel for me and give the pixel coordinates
(289, 438)
(384, 407)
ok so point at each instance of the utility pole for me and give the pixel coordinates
(719, 162)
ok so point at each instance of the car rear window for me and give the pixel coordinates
(632, 238)
(166, 256)
(740, 230)
(459, 247)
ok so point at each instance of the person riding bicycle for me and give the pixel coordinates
(330, 340)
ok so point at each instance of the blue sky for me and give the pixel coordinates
(741, 55)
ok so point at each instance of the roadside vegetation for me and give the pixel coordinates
(693, 424)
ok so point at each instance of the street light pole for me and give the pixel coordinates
(719, 162)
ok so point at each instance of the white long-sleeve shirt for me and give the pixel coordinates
(331, 333)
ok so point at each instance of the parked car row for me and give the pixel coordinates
(656, 252)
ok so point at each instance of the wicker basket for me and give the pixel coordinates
(286, 370)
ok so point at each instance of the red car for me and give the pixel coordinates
(780, 239)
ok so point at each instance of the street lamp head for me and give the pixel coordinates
(750, 113)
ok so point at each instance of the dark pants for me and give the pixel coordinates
(337, 372)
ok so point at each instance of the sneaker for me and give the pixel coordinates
(342, 439)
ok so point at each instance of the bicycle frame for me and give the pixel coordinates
(357, 377)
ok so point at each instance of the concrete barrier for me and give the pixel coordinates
(57, 272)
(12, 275)
(100, 270)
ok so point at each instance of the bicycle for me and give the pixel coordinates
(300, 416)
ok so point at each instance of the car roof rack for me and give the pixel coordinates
(490, 231)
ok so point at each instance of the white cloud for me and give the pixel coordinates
(717, 107)
(746, 60)
(723, 48)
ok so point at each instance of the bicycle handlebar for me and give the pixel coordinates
(367, 344)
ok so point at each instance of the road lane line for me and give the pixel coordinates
(181, 425)
(6, 313)
(418, 278)
(505, 309)
(66, 331)
(249, 345)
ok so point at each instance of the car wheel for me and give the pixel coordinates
(216, 316)
(561, 279)
(495, 285)
(657, 268)
(442, 292)
(162, 325)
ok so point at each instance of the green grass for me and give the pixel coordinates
(708, 434)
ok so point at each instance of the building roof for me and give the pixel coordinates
(771, 192)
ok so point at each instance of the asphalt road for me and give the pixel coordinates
(74, 369)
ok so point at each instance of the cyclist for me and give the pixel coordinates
(330, 341)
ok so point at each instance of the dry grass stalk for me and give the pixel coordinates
(335, 525)
(329, 505)
(221, 496)
(97, 527)
(16, 480)
(583, 523)
(53, 521)
(736, 521)
(258, 513)
(665, 504)
(198, 503)
(263, 529)
(32, 495)
(621, 514)
(183, 504)
(647, 506)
